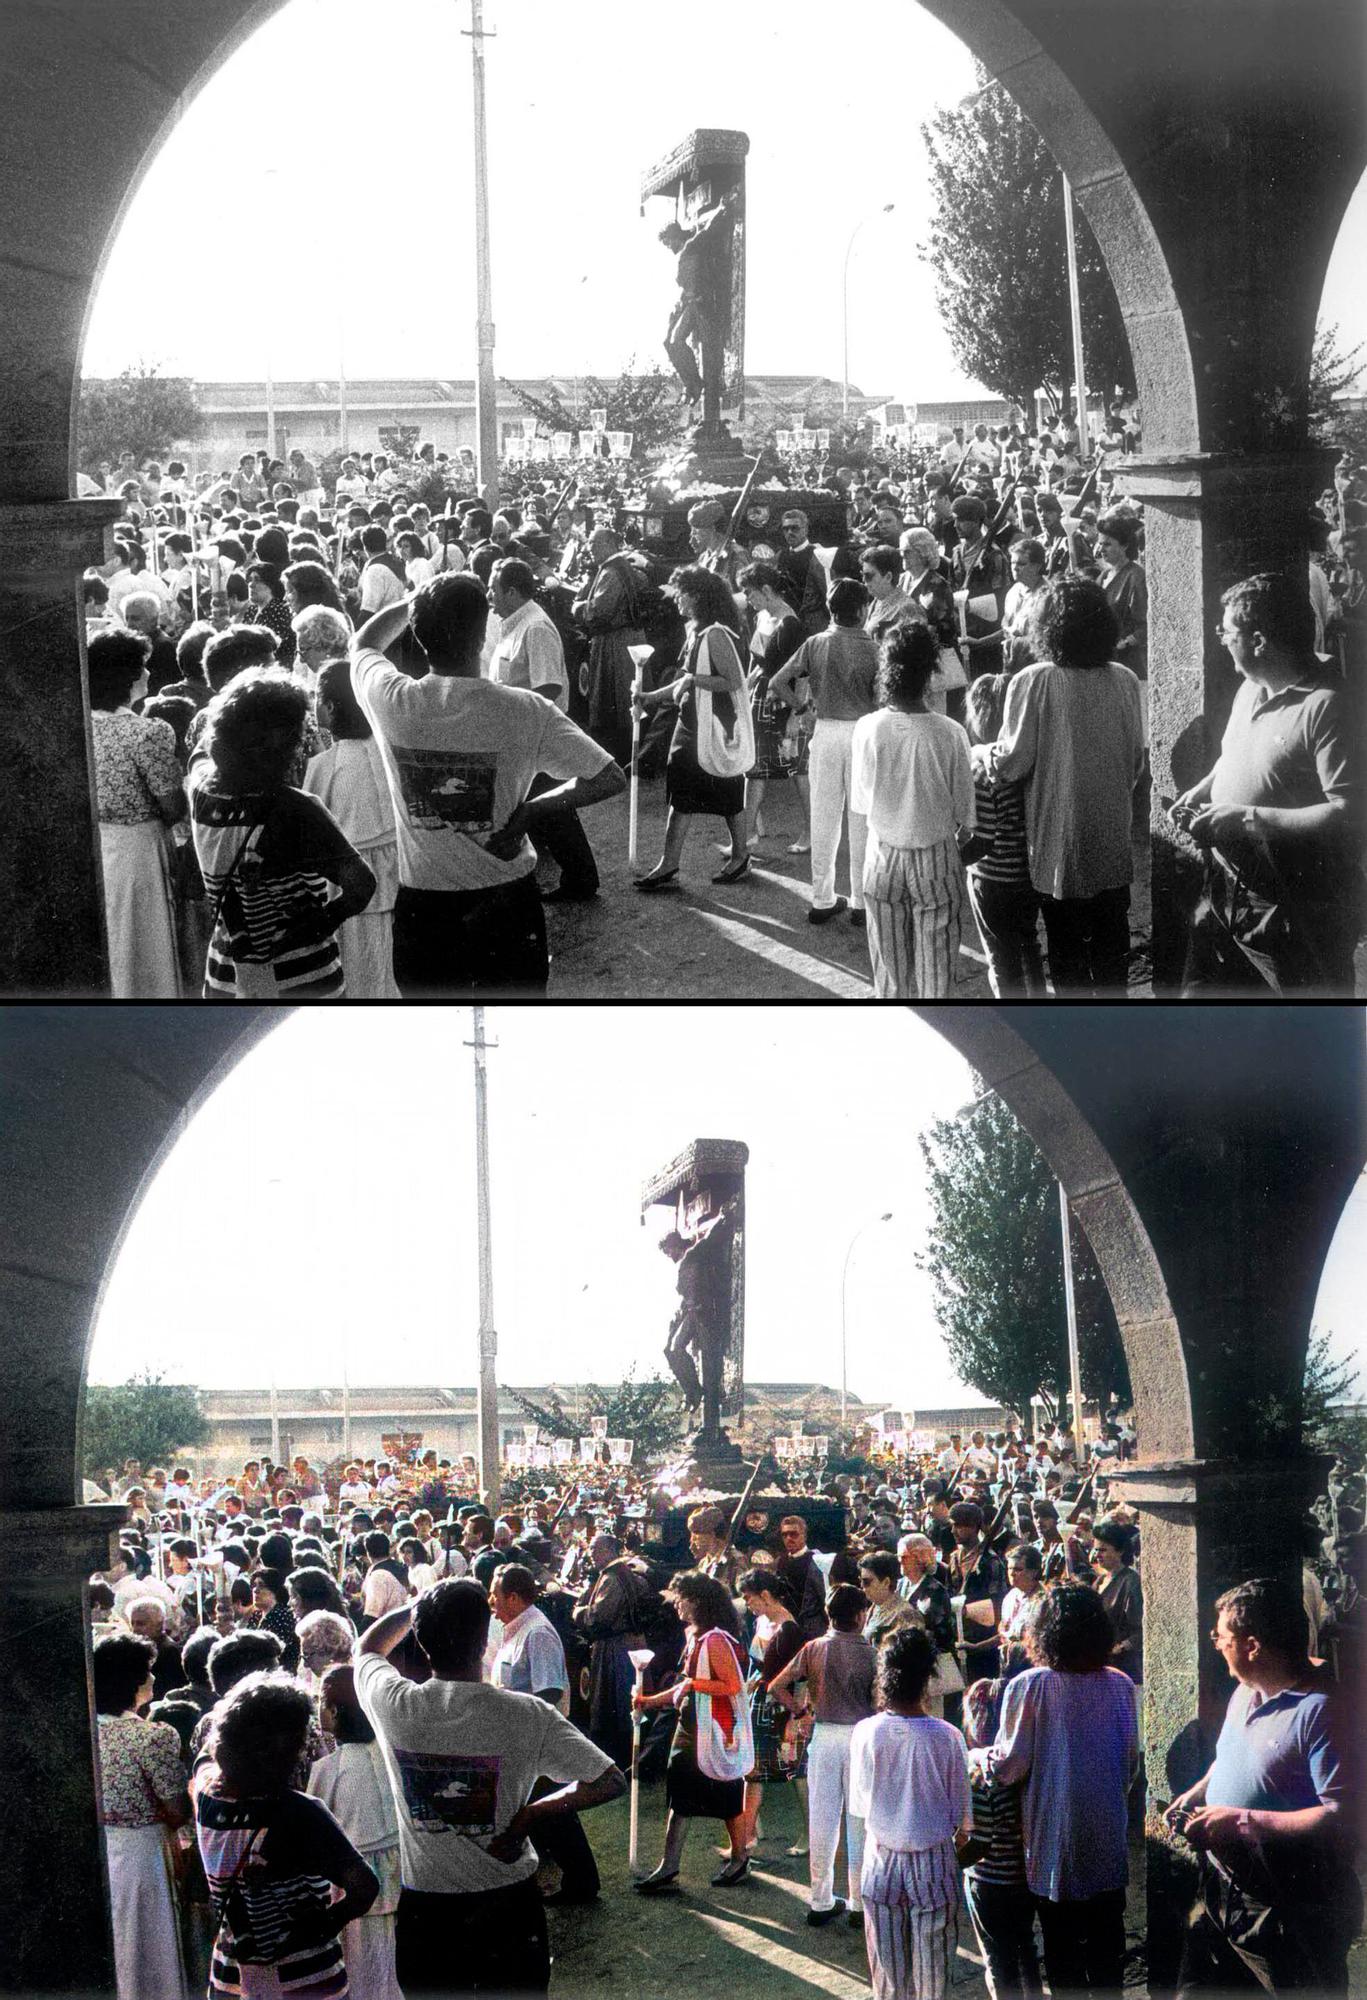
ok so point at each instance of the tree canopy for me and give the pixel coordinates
(141, 411)
(998, 251)
(647, 1412)
(641, 404)
(146, 1418)
(994, 1255)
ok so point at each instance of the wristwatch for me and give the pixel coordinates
(1244, 1825)
(1252, 828)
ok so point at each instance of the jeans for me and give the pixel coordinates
(492, 1942)
(1089, 941)
(478, 942)
(1004, 1919)
(1008, 923)
(1084, 1943)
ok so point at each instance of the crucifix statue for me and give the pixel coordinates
(705, 1187)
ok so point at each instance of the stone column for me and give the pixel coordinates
(1210, 518)
(1206, 1524)
(51, 893)
(57, 1930)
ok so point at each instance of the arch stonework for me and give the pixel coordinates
(1208, 1153)
(1262, 112)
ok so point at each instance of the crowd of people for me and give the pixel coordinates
(348, 1721)
(341, 737)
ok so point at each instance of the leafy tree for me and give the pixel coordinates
(140, 411)
(998, 250)
(1332, 373)
(146, 1418)
(641, 404)
(647, 1412)
(1329, 1421)
(994, 1255)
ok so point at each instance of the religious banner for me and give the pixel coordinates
(806, 440)
(562, 1450)
(783, 1448)
(562, 443)
(588, 1450)
(541, 450)
(821, 1447)
(922, 1441)
(531, 1432)
(588, 444)
(515, 1454)
(783, 440)
(599, 419)
(529, 427)
(619, 443)
(599, 1426)
(823, 440)
(928, 434)
(619, 1450)
(541, 1454)
(895, 1441)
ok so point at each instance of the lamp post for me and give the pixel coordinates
(863, 1228)
(887, 208)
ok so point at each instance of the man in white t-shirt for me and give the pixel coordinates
(462, 1759)
(461, 754)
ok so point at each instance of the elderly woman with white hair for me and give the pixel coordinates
(320, 634)
(925, 584)
(326, 1639)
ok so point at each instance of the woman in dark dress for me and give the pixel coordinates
(712, 1665)
(712, 662)
(780, 1754)
(780, 752)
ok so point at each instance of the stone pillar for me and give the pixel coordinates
(1206, 1524)
(51, 893)
(57, 1930)
(1210, 518)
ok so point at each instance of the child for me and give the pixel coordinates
(349, 779)
(995, 1888)
(353, 1784)
(909, 1782)
(1004, 900)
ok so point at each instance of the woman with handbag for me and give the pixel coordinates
(909, 1785)
(780, 1748)
(713, 745)
(713, 1749)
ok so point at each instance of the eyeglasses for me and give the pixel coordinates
(792, 527)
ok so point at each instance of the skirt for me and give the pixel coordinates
(690, 789)
(147, 1952)
(689, 1792)
(775, 1763)
(139, 911)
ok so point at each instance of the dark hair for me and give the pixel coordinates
(194, 1657)
(272, 545)
(885, 559)
(1073, 624)
(374, 541)
(477, 521)
(377, 1544)
(514, 574)
(232, 1658)
(234, 651)
(102, 1597)
(338, 1689)
(711, 598)
(1027, 546)
(123, 1664)
(1120, 527)
(255, 728)
(517, 1578)
(985, 700)
(449, 616)
(314, 1588)
(904, 1664)
(845, 1604)
(176, 709)
(451, 1623)
(313, 584)
(848, 601)
(259, 1732)
(1115, 1535)
(710, 1599)
(190, 650)
(966, 1514)
(757, 1582)
(882, 1564)
(1071, 1631)
(272, 1580)
(1027, 1556)
(270, 575)
(968, 507)
(762, 576)
(94, 589)
(182, 1716)
(116, 662)
(1271, 603)
(349, 722)
(1266, 1610)
(908, 656)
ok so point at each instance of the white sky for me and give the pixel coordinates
(378, 254)
(324, 1198)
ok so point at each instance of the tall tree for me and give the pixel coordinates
(141, 411)
(647, 1412)
(997, 248)
(1332, 373)
(994, 1255)
(146, 1417)
(1330, 1419)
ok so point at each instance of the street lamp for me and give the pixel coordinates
(887, 208)
(844, 1291)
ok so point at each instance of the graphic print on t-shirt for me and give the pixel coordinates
(449, 1794)
(449, 788)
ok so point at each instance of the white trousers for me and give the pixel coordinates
(915, 898)
(139, 912)
(828, 1800)
(829, 775)
(147, 1960)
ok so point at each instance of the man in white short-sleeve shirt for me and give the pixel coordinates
(462, 1759)
(460, 754)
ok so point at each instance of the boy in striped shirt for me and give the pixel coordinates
(1004, 900)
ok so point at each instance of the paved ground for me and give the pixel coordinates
(749, 941)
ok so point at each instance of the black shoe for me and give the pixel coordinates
(656, 1884)
(734, 871)
(815, 916)
(816, 1918)
(734, 1871)
(649, 883)
(565, 892)
(858, 920)
(855, 1919)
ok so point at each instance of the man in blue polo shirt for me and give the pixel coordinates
(1271, 1819)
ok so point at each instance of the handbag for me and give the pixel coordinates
(721, 1756)
(723, 753)
(949, 673)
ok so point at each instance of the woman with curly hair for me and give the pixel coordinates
(139, 794)
(272, 1855)
(142, 1797)
(1067, 1732)
(912, 782)
(711, 671)
(280, 875)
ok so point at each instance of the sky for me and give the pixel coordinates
(579, 105)
(343, 1149)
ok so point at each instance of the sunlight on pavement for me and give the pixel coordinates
(786, 958)
(807, 1971)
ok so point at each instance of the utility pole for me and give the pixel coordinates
(1074, 1364)
(486, 1394)
(1075, 303)
(486, 403)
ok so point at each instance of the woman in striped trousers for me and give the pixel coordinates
(909, 1781)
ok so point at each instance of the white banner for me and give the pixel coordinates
(588, 443)
(928, 434)
(599, 1426)
(783, 1448)
(563, 1450)
(922, 1441)
(619, 1450)
(783, 440)
(531, 1432)
(895, 1441)
(599, 419)
(620, 443)
(821, 1447)
(529, 427)
(823, 440)
(562, 443)
(588, 1450)
(515, 1454)
(541, 1454)
(541, 450)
